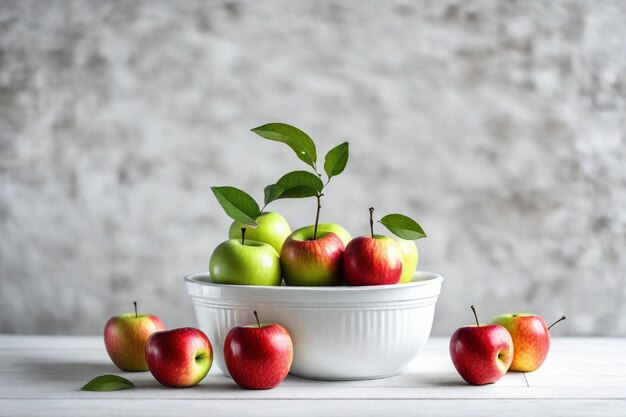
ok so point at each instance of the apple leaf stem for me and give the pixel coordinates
(135, 304)
(243, 235)
(256, 316)
(559, 320)
(372, 221)
(475, 315)
(317, 214)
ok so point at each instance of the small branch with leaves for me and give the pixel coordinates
(302, 184)
(242, 208)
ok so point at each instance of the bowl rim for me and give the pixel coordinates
(424, 278)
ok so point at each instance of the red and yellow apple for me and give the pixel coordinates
(312, 262)
(125, 339)
(180, 357)
(531, 337)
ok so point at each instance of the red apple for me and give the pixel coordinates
(481, 354)
(179, 357)
(258, 356)
(310, 262)
(375, 260)
(125, 339)
(531, 338)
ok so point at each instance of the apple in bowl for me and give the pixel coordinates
(272, 228)
(312, 259)
(372, 260)
(245, 262)
(410, 258)
(380, 260)
(337, 229)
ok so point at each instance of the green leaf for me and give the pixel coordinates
(402, 226)
(300, 184)
(273, 192)
(296, 139)
(237, 204)
(107, 383)
(336, 160)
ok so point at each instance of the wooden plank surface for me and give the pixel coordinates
(42, 375)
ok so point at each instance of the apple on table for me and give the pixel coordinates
(179, 357)
(258, 356)
(481, 354)
(125, 339)
(531, 339)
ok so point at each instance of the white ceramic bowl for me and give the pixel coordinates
(338, 332)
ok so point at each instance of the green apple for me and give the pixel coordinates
(272, 228)
(248, 263)
(410, 257)
(340, 231)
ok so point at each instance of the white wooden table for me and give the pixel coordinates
(42, 375)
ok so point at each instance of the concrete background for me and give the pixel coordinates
(499, 126)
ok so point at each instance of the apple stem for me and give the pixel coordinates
(256, 316)
(317, 215)
(243, 235)
(475, 315)
(559, 320)
(135, 304)
(372, 221)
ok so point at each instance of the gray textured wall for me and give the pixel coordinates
(500, 126)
